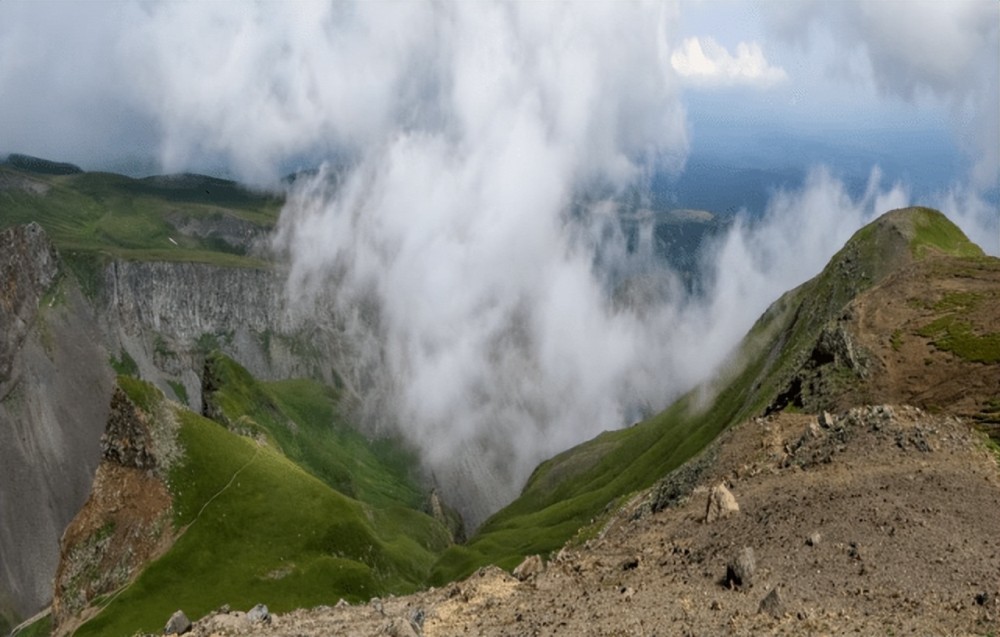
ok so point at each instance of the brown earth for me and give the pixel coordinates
(908, 368)
(884, 522)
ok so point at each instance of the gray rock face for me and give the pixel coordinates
(54, 401)
(28, 266)
(167, 316)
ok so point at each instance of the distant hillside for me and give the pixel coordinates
(802, 353)
(98, 216)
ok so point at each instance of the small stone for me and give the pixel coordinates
(377, 606)
(627, 593)
(531, 566)
(740, 570)
(630, 564)
(772, 604)
(715, 605)
(814, 538)
(178, 624)
(399, 627)
(721, 503)
(341, 603)
(825, 420)
(259, 615)
(417, 618)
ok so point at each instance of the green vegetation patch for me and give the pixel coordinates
(934, 232)
(179, 391)
(39, 628)
(953, 334)
(96, 217)
(302, 417)
(254, 526)
(124, 365)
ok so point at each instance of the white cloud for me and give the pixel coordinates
(704, 61)
(948, 51)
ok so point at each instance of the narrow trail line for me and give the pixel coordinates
(187, 526)
(221, 491)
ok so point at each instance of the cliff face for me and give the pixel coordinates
(167, 316)
(54, 396)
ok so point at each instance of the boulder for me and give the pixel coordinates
(178, 624)
(531, 566)
(259, 615)
(721, 504)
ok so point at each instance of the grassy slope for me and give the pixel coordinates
(571, 490)
(104, 215)
(257, 527)
(300, 417)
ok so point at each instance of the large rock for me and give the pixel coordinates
(740, 570)
(721, 504)
(530, 567)
(773, 604)
(178, 624)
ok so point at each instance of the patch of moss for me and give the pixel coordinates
(125, 365)
(953, 334)
(896, 340)
(179, 391)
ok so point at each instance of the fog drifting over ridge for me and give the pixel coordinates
(466, 218)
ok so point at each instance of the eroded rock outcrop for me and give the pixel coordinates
(126, 521)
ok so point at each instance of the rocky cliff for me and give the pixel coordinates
(54, 396)
(167, 315)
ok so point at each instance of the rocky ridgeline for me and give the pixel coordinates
(877, 520)
(28, 266)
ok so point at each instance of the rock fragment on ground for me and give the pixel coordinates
(721, 503)
(178, 624)
(740, 570)
(531, 566)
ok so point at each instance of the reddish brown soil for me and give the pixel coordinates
(124, 525)
(906, 505)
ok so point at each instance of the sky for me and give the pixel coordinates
(473, 158)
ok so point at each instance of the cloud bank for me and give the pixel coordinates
(466, 221)
(703, 61)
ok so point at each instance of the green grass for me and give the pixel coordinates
(581, 486)
(896, 340)
(259, 528)
(179, 391)
(934, 232)
(40, 628)
(301, 417)
(953, 334)
(125, 365)
(95, 217)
